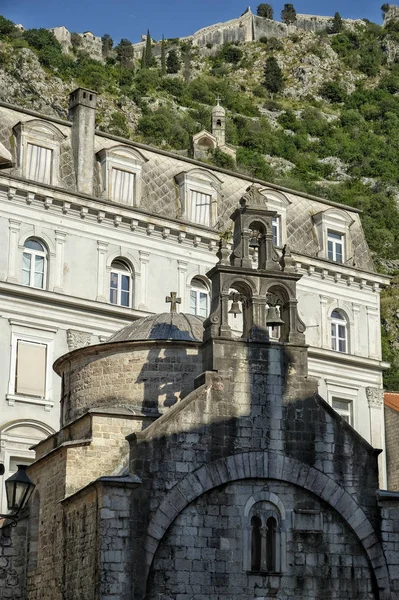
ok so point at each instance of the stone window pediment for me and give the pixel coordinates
(38, 144)
(198, 192)
(121, 169)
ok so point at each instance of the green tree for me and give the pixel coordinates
(107, 44)
(230, 53)
(41, 38)
(173, 62)
(273, 80)
(337, 24)
(76, 41)
(149, 60)
(187, 64)
(6, 27)
(163, 57)
(125, 53)
(385, 8)
(288, 14)
(332, 91)
(265, 10)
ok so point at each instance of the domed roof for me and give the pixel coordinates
(165, 326)
(218, 110)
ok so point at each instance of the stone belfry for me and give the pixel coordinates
(263, 290)
(219, 124)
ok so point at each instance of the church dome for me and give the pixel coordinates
(164, 326)
(218, 110)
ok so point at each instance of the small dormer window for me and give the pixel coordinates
(333, 232)
(198, 191)
(121, 169)
(38, 145)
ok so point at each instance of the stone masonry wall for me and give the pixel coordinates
(392, 445)
(262, 401)
(13, 561)
(202, 555)
(149, 379)
(50, 483)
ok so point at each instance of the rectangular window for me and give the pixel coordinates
(199, 303)
(276, 231)
(39, 163)
(343, 408)
(123, 186)
(199, 210)
(30, 374)
(338, 337)
(335, 246)
(119, 292)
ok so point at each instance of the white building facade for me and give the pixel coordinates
(95, 232)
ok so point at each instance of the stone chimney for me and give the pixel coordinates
(82, 113)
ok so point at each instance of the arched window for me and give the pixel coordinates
(199, 298)
(271, 545)
(34, 264)
(120, 289)
(264, 549)
(256, 544)
(339, 332)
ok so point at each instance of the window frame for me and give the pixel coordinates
(202, 182)
(121, 158)
(335, 242)
(337, 222)
(43, 336)
(265, 505)
(128, 272)
(198, 291)
(45, 135)
(276, 224)
(33, 254)
(335, 324)
(344, 412)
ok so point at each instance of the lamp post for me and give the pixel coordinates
(19, 489)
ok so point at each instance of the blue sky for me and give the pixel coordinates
(176, 18)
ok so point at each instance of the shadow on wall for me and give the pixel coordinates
(192, 529)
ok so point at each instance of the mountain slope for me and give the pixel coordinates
(332, 131)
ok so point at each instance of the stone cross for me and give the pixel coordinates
(174, 301)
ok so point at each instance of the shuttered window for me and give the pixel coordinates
(30, 376)
(123, 186)
(39, 163)
(199, 209)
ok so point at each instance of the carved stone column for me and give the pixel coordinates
(375, 397)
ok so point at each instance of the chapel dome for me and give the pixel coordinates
(218, 110)
(164, 326)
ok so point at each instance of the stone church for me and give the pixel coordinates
(191, 464)
(192, 455)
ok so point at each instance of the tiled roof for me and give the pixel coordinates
(391, 399)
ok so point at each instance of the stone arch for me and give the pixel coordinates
(267, 497)
(263, 465)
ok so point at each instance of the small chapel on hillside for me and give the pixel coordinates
(193, 463)
(204, 142)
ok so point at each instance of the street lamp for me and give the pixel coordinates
(19, 489)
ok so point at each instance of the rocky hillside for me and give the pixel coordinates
(331, 129)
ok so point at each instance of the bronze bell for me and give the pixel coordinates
(254, 241)
(235, 309)
(273, 318)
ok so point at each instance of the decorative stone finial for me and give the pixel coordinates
(286, 261)
(223, 253)
(173, 300)
(253, 197)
